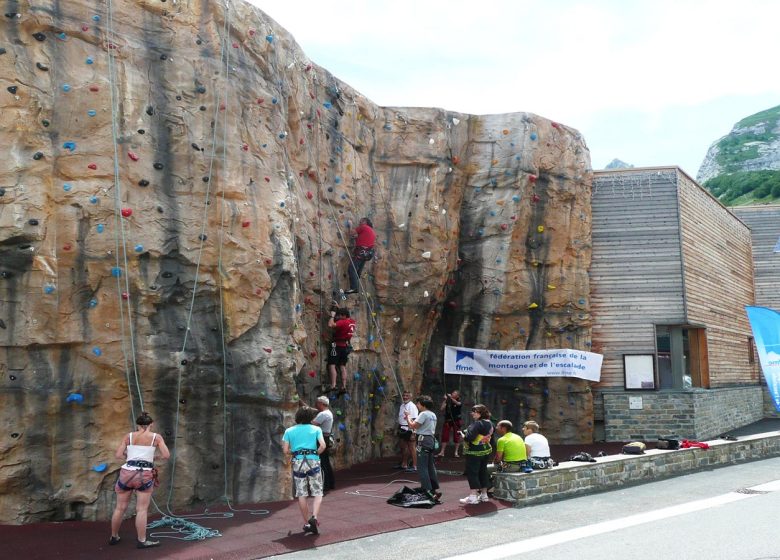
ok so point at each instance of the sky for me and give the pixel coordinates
(648, 82)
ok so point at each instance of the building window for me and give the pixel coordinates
(751, 350)
(682, 357)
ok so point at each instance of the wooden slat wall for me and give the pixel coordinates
(636, 268)
(764, 222)
(718, 274)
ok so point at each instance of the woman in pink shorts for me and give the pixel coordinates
(137, 475)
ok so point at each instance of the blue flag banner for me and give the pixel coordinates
(765, 323)
(522, 363)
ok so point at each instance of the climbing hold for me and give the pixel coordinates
(67, 247)
(516, 198)
(309, 195)
(93, 199)
(504, 226)
(127, 212)
(92, 166)
(12, 89)
(455, 160)
(533, 136)
(45, 122)
(39, 36)
(143, 183)
(149, 108)
(269, 350)
(66, 88)
(203, 237)
(3, 51)
(426, 255)
(94, 88)
(282, 135)
(92, 112)
(133, 156)
(163, 57)
(327, 105)
(40, 66)
(90, 60)
(100, 228)
(158, 166)
(49, 289)
(205, 179)
(37, 155)
(201, 89)
(274, 100)
(70, 146)
(312, 373)
(533, 306)
(100, 468)
(245, 223)
(550, 287)
(139, 248)
(269, 38)
(96, 18)
(540, 229)
(97, 351)
(75, 397)
(342, 427)
(93, 303)
(532, 178)
(505, 132)
(125, 296)
(116, 272)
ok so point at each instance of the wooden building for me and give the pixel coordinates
(670, 276)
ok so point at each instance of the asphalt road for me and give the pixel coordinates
(729, 513)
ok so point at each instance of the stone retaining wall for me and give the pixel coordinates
(572, 479)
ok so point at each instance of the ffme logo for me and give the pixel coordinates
(462, 355)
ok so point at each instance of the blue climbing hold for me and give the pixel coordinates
(492, 213)
(93, 303)
(90, 60)
(384, 242)
(342, 427)
(116, 272)
(499, 260)
(281, 204)
(481, 231)
(265, 145)
(96, 18)
(274, 100)
(337, 179)
(269, 38)
(66, 88)
(387, 127)
(582, 301)
(516, 198)
(533, 136)
(298, 307)
(100, 228)
(97, 351)
(327, 105)
(48, 289)
(100, 468)
(70, 146)
(347, 397)
(282, 135)
(356, 376)
(380, 389)
(61, 36)
(478, 189)
(371, 338)
(93, 199)
(343, 197)
(75, 397)
(66, 187)
(92, 112)
(139, 248)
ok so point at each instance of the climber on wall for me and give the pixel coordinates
(364, 251)
(343, 329)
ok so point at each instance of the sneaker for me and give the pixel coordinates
(350, 291)
(147, 544)
(437, 496)
(410, 469)
(314, 524)
(470, 500)
(114, 540)
(484, 498)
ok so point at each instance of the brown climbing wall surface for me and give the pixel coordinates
(177, 184)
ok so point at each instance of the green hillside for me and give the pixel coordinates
(745, 187)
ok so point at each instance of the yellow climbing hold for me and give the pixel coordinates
(349, 167)
(540, 229)
(550, 287)
(533, 306)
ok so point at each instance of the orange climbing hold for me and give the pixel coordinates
(455, 160)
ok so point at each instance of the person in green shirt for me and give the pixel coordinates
(511, 451)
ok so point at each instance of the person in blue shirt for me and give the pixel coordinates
(303, 443)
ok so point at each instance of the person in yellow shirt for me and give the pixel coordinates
(511, 451)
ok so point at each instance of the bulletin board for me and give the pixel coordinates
(639, 371)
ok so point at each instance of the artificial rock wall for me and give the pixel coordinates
(177, 186)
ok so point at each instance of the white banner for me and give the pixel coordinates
(522, 363)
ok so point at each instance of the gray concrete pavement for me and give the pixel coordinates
(697, 516)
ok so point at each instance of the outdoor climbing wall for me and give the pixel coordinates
(176, 196)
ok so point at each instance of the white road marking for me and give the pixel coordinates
(544, 541)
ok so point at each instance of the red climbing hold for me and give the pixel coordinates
(252, 31)
(259, 292)
(125, 296)
(133, 156)
(307, 300)
(452, 304)
(311, 94)
(504, 226)
(260, 100)
(313, 354)
(535, 198)
(235, 45)
(300, 141)
(312, 373)
(532, 178)
(92, 166)
(309, 195)
(94, 88)
(455, 160)
(67, 247)
(245, 147)
(555, 125)
(269, 350)
(245, 223)
(127, 212)
(267, 179)
(268, 262)
(308, 67)
(85, 28)
(308, 126)
(311, 274)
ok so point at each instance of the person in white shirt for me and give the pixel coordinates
(540, 448)
(405, 434)
(324, 420)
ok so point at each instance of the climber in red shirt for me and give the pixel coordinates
(364, 251)
(343, 329)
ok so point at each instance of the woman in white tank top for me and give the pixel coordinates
(137, 475)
